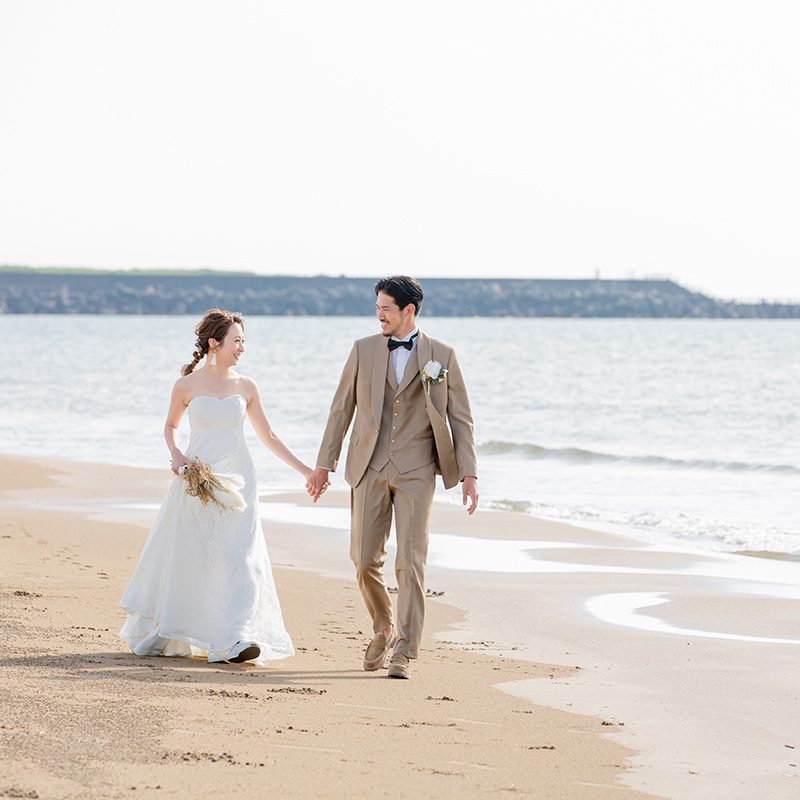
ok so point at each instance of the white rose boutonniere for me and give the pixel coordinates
(432, 373)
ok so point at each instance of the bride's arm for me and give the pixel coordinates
(177, 408)
(261, 425)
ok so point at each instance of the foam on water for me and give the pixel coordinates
(773, 577)
(733, 574)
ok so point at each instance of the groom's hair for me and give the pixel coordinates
(402, 289)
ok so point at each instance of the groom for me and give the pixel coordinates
(404, 388)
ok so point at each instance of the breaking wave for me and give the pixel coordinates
(579, 456)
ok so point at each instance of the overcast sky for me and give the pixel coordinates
(633, 138)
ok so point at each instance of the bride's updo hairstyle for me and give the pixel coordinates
(214, 325)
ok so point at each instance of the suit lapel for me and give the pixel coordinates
(445, 455)
(412, 370)
(423, 350)
(380, 365)
(425, 355)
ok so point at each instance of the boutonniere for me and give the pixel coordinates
(432, 373)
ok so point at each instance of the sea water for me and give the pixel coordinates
(667, 429)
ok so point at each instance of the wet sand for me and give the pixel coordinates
(538, 675)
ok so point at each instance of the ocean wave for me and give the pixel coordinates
(580, 456)
(720, 534)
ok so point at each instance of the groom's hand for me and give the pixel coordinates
(469, 492)
(317, 483)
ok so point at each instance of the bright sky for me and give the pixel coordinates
(539, 138)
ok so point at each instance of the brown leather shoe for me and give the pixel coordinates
(399, 666)
(377, 651)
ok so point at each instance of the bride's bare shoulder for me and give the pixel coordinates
(247, 387)
(184, 387)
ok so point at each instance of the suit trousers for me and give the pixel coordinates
(372, 501)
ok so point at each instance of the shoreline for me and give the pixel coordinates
(83, 717)
(652, 685)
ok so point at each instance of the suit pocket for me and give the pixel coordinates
(353, 439)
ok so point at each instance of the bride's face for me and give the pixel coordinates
(231, 348)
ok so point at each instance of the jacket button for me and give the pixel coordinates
(397, 401)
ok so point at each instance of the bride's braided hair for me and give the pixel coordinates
(214, 325)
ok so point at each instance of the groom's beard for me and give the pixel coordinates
(392, 328)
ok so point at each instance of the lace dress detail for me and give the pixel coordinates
(204, 580)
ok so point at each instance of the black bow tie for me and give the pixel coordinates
(394, 344)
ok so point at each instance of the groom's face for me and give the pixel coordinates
(395, 321)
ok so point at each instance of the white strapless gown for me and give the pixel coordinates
(204, 580)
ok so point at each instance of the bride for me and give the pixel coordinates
(203, 585)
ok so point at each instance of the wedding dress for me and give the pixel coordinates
(204, 581)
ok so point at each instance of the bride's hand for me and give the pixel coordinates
(317, 483)
(177, 461)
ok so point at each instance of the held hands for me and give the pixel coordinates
(469, 493)
(317, 483)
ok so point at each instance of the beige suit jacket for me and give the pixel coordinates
(445, 409)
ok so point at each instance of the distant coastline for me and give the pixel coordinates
(73, 291)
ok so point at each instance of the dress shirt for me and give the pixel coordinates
(400, 355)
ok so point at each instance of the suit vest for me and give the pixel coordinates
(405, 437)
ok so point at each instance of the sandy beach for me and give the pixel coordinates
(558, 662)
